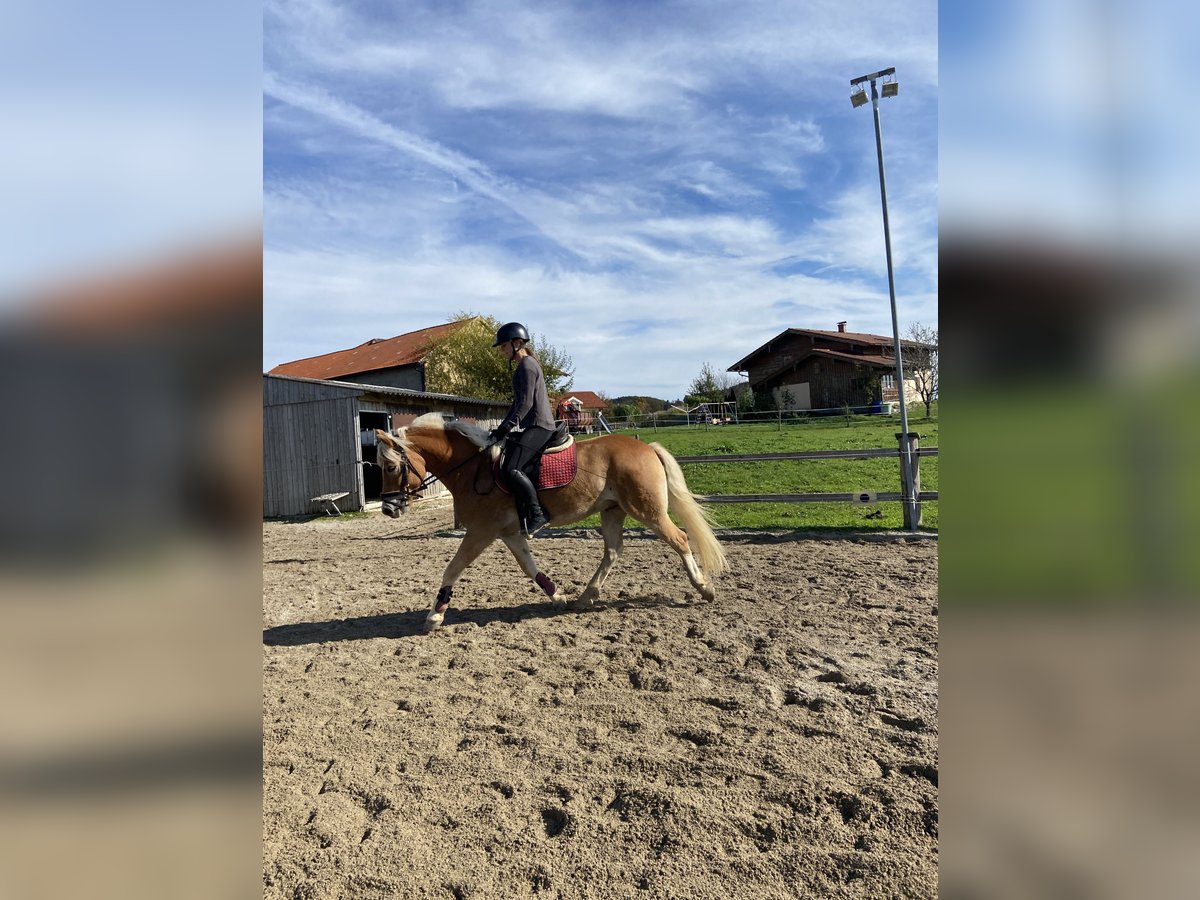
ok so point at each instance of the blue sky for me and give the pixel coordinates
(123, 141)
(649, 186)
(1069, 122)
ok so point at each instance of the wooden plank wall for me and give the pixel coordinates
(277, 391)
(310, 447)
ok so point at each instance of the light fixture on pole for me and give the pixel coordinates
(890, 89)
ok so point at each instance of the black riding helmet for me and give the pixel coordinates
(513, 331)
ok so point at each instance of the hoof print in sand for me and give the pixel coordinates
(556, 821)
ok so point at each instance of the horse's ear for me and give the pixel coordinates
(385, 437)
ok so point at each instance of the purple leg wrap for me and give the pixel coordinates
(443, 599)
(545, 584)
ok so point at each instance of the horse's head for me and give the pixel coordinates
(428, 447)
(403, 472)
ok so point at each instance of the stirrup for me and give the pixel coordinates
(534, 524)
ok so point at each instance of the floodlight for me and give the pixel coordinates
(907, 468)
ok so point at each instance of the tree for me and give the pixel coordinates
(765, 400)
(868, 382)
(464, 362)
(710, 385)
(623, 411)
(921, 362)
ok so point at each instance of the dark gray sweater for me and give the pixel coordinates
(531, 404)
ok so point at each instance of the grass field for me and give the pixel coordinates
(801, 476)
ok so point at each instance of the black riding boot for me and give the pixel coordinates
(532, 517)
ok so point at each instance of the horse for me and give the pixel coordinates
(616, 476)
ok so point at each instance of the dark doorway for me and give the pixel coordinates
(372, 474)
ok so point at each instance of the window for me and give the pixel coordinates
(888, 382)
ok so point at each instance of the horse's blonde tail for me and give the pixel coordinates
(696, 520)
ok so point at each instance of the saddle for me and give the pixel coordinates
(560, 439)
(554, 467)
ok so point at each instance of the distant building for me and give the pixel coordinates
(806, 368)
(579, 409)
(397, 362)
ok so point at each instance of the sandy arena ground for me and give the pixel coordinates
(780, 741)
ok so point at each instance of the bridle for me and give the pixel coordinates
(398, 500)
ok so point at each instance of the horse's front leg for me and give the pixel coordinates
(470, 548)
(519, 545)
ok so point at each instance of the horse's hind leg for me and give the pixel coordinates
(519, 545)
(612, 526)
(677, 540)
(470, 548)
(656, 518)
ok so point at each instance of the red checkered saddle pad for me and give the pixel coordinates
(556, 468)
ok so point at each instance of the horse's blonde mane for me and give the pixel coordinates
(480, 437)
(432, 420)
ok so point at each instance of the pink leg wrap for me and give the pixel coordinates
(545, 584)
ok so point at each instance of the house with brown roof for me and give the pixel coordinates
(397, 362)
(579, 409)
(806, 368)
(588, 401)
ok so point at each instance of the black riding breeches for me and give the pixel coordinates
(521, 450)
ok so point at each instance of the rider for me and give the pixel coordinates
(531, 415)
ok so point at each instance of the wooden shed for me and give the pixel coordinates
(317, 435)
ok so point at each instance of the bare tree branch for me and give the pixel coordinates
(921, 362)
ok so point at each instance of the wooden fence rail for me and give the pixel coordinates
(809, 498)
(911, 520)
(809, 454)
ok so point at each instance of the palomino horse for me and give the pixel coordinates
(617, 476)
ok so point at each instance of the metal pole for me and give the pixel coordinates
(910, 504)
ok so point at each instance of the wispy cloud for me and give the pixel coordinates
(569, 222)
(354, 119)
(623, 178)
(1082, 137)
